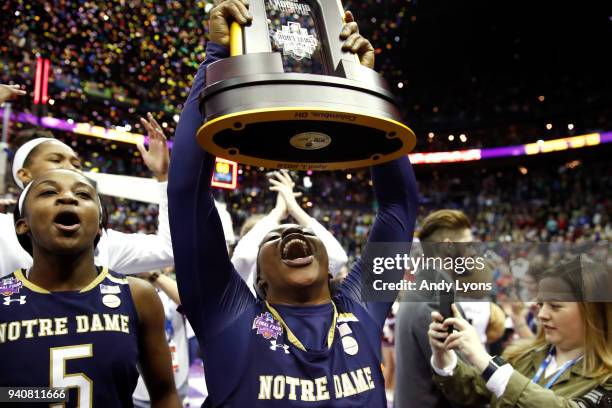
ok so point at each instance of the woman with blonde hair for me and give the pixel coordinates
(568, 363)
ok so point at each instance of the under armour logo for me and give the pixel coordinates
(8, 300)
(274, 346)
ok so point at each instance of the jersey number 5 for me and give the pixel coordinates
(59, 378)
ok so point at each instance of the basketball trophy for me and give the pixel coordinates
(289, 97)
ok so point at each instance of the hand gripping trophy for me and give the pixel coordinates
(291, 97)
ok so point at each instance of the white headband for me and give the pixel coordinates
(22, 197)
(21, 155)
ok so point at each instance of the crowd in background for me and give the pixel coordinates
(116, 60)
(542, 202)
(563, 202)
(568, 202)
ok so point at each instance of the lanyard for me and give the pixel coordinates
(545, 364)
(294, 340)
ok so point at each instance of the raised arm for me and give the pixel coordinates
(283, 184)
(211, 291)
(245, 253)
(136, 253)
(335, 253)
(130, 254)
(395, 188)
(164, 283)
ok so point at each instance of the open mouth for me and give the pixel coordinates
(296, 251)
(67, 221)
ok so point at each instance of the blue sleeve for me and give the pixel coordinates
(212, 293)
(395, 188)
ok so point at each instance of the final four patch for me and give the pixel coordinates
(10, 286)
(267, 326)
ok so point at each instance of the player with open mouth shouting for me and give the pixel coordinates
(299, 343)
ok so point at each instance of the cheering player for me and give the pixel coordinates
(123, 253)
(298, 343)
(70, 324)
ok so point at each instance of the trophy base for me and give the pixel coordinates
(302, 122)
(305, 138)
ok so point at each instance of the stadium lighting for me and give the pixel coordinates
(37, 83)
(451, 137)
(430, 135)
(307, 182)
(41, 83)
(463, 138)
(400, 85)
(45, 82)
(549, 126)
(541, 98)
(570, 126)
(539, 147)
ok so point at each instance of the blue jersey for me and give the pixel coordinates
(260, 361)
(260, 355)
(85, 340)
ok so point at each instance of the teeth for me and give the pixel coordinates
(294, 240)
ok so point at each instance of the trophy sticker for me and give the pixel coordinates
(290, 6)
(310, 140)
(295, 41)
